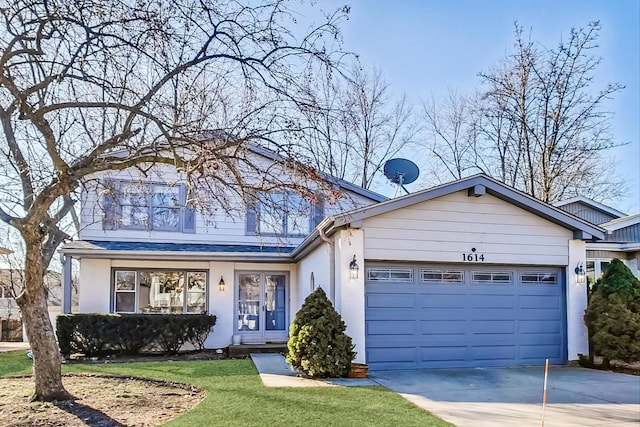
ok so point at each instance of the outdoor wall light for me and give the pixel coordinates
(581, 275)
(221, 284)
(353, 268)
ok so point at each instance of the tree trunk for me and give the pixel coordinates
(46, 354)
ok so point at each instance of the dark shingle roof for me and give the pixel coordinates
(188, 247)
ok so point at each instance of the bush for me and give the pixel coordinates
(613, 315)
(318, 346)
(104, 334)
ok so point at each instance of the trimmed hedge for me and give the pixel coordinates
(95, 334)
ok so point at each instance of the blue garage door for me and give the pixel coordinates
(426, 316)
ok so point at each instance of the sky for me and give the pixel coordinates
(426, 47)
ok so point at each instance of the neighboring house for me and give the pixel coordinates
(470, 273)
(11, 282)
(622, 239)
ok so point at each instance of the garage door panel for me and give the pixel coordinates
(540, 339)
(537, 301)
(493, 301)
(396, 355)
(443, 300)
(464, 324)
(451, 314)
(490, 340)
(540, 352)
(493, 352)
(394, 327)
(382, 314)
(492, 314)
(444, 354)
(540, 326)
(441, 327)
(442, 340)
(493, 326)
(540, 314)
(391, 300)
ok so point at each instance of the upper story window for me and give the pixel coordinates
(283, 214)
(136, 205)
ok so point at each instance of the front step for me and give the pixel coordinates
(244, 350)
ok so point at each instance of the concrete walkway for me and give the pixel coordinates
(275, 372)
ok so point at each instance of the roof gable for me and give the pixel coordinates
(591, 204)
(478, 185)
(340, 183)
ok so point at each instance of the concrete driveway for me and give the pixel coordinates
(513, 396)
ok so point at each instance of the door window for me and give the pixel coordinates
(262, 302)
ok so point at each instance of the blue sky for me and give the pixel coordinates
(426, 47)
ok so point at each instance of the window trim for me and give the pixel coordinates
(118, 205)
(540, 274)
(474, 281)
(389, 270)
(256, 208)
(136, 290)
(443, 273)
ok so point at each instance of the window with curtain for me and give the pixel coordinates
(159, 291)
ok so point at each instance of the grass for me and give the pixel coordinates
(236, 396)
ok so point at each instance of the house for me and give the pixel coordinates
(11, 283)
(622, 239)
(470, 273)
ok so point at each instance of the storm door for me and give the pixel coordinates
(262, 300)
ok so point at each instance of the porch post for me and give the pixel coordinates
(66, 284)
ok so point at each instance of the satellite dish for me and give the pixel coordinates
(401, 171)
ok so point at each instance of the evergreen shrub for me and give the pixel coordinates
(613, 315)
(318, 345)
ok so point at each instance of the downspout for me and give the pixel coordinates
(332, 265)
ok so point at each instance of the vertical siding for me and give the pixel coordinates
(626, 234)
(587, 213)
(447, 228)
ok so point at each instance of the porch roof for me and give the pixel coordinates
(176, 251)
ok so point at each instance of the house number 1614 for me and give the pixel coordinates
(472, 256)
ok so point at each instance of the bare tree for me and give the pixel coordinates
(451, 135)
(543, 121)
(354, 125)
(381, 128)
(89, 86)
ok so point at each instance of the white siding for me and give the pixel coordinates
(220, 226)
(318, 263)
(443, 229)
(95, 285)
(95, 290)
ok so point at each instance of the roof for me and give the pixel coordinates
(265, 152)
(618, 223)
(592, 204)
(476, 185)
(175, 251)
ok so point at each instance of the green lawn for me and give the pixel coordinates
(236, 396)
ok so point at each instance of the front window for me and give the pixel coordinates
(157, 291)
(284, 214)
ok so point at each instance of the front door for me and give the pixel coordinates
(262, 306)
